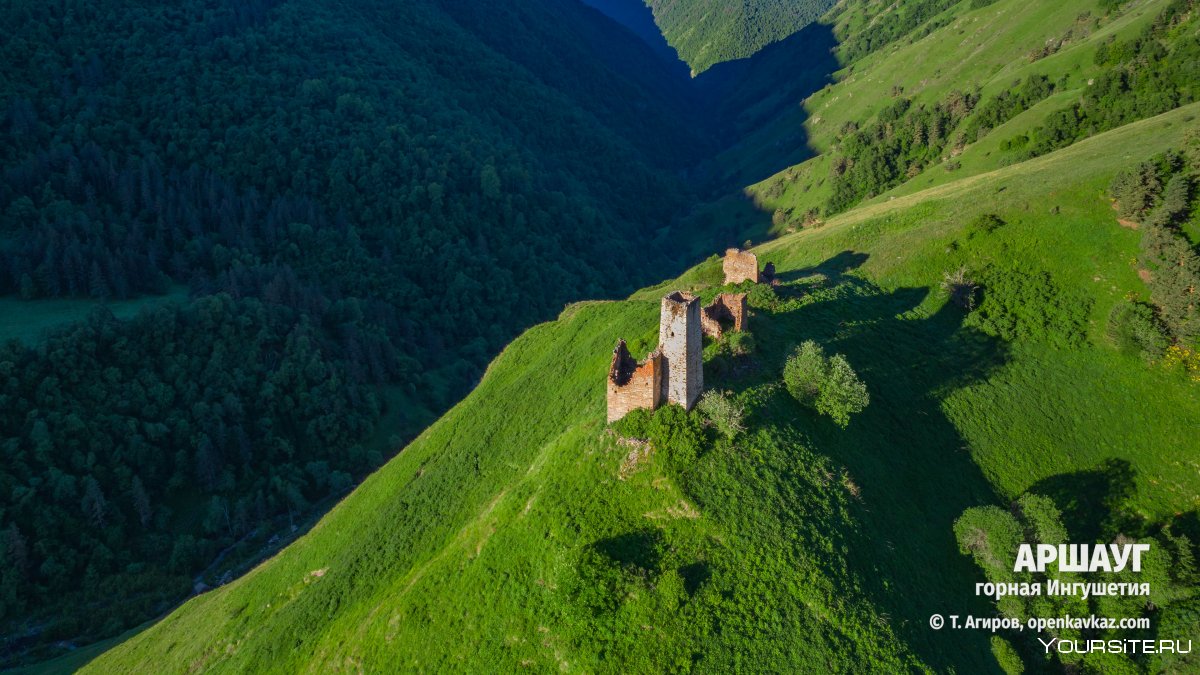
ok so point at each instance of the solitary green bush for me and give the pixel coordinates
(740, 343)
(1006, 656)
(723, 412)
(1134, 328)
(803, 372)
(984, 224)
(960, 287)
(670, 429)
(826, 384)
(1135, 190)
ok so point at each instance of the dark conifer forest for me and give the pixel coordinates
(365, 200)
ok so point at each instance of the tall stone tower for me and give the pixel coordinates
(681, 342)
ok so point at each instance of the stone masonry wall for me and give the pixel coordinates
(633, 385)
(726, 308)
(681, 342)
(740, 266)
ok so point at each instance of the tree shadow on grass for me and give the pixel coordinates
(1188, 524)
(796, 284)
(907, 468)
(1094, 502)
(640, 548)
(695, 576)
(746, 95)
(833, 269)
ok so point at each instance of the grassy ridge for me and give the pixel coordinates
(799, 546)
(989, 48)
(1069, 230)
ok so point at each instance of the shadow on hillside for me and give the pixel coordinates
(756, 107)
(907, 468)
(1188, 524)
(752, 109)
(641, 548)
(1094, 502)
(637, 17)
(834, 269)
(743, 95)
(748, 94)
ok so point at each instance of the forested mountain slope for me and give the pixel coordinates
(636, 16)
(708, 32)
(519, 532)
(366, 199)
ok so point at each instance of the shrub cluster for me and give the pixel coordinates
(670, 430)
(1018, 304)
(1144, 76)
(723, 412)
(991, 536)
(826, 384)
(1134, 328)
(960, 288)
(1159, 194)
(898, 145)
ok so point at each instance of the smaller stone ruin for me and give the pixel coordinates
(633, 385)
(726, 312)
(740, 266)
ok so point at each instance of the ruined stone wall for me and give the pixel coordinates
(681, 342)
(727, 311)
(740, 266)
(633, 385)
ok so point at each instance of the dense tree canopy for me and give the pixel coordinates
(900, 143)
(357, 194)
(708, 32)
(116, 431)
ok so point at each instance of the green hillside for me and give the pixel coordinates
(518, 532)
(252, 254)
(938, 103)
(708, 32)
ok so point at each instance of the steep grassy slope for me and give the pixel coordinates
(518, 532)
(499, 500)
(987, 49)
(1058, 219)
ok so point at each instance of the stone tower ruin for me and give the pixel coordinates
(633, 385)
(681, 343)
(674, 372)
